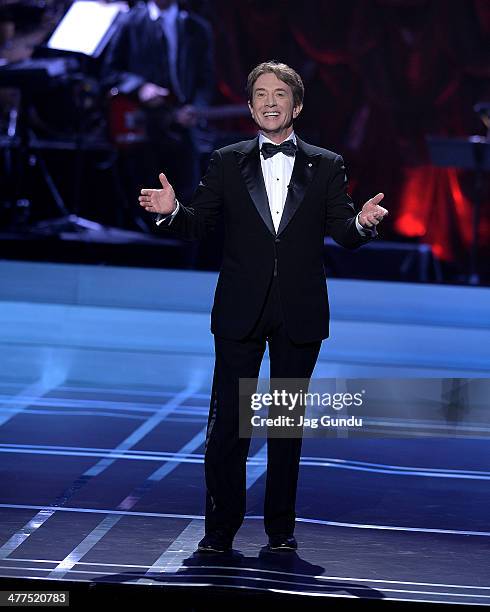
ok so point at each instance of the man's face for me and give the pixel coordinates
(272, 105)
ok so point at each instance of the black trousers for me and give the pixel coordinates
(226, 453)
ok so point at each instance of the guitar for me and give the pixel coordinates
(128, 118)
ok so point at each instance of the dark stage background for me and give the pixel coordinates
(380, 75)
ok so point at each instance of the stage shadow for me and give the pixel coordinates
(285, 572)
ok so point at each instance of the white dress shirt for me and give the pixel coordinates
(277, 171)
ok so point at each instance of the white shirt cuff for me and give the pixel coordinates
(364, 231)
(161, 218)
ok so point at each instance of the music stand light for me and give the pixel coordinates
(86, 27)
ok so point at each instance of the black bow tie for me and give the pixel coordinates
(287, 147)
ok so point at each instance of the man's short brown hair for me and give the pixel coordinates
(282, 72)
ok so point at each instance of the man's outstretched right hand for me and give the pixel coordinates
(160, 201)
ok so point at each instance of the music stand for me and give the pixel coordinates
(82, 33)
(86, 27)
(470, 154)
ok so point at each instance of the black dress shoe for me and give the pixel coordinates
(282, 542)
(215, 542)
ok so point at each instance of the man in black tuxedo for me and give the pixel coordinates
(163, 57)
(278, 196)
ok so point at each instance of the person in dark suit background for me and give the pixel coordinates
(163, 57)
(279, 196)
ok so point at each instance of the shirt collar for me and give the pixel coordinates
(169, 15)
(263, 139)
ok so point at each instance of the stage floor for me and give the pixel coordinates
(103, 412)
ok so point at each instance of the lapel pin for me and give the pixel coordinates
(310, 165)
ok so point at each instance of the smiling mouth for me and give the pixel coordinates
(271, 114)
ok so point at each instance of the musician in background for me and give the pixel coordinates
(165, 57)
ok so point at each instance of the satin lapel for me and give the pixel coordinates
(249, 164)
(303, 172)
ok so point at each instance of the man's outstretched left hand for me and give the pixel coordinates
(372, 213)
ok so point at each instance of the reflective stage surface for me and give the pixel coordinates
(104, 391)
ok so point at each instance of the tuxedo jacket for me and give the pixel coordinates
(317, 204)
(138, 54)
